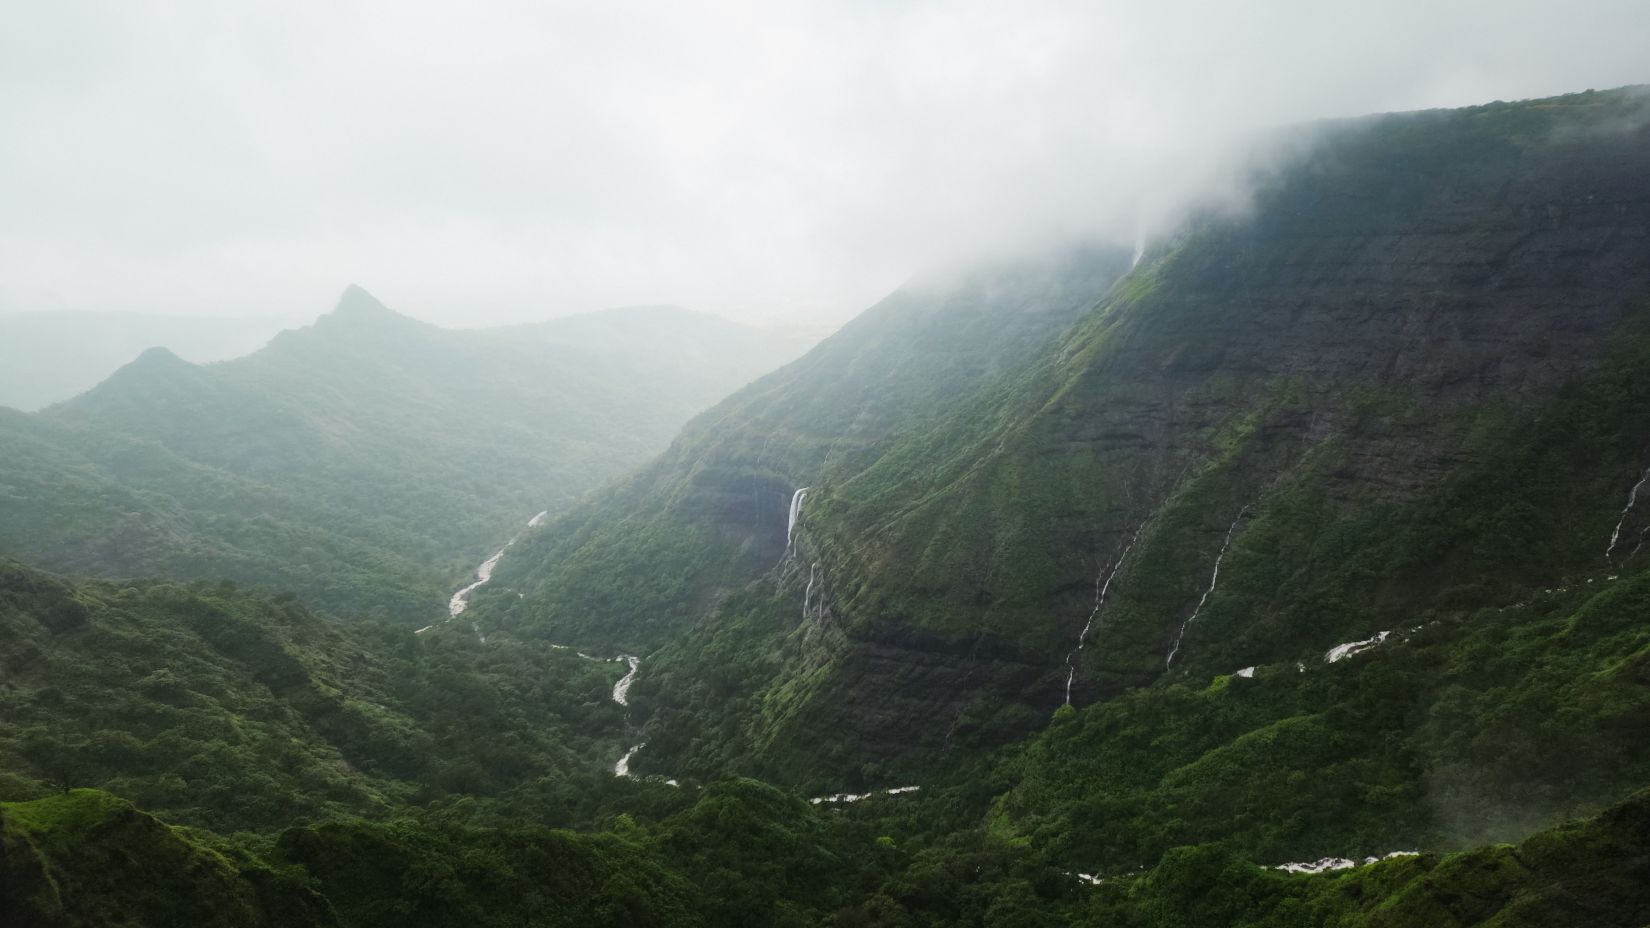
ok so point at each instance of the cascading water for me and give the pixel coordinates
(460, 600)
(1632, 498)
(621, 689)
(808, 593)
(622, 768)
(1328, 864)
(484, 575)
(855, 797)
(790, 520)
(1341, 652)
(1213, 579)
(1101, 588)
(1139, 245)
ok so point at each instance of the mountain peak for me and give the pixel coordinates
(158, 356)
(357, 302)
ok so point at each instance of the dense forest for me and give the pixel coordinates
(1290, 572)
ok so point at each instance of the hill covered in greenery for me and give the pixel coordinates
(1400, 388)
(1289, 576)
(368, 461)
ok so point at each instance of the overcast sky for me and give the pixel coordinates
(482, 162)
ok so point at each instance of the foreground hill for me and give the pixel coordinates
(367, 461)
(219, 707)
(743, 854)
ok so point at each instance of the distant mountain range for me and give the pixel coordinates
(48, 357)
(365, 462)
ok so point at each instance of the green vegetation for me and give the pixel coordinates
(1407, 387)
(367, 462)
(226, 709)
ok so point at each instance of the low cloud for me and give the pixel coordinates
(505, 161)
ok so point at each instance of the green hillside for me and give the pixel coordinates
(1402, 384)
(1292, 575)
(368, 461)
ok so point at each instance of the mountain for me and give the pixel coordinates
(48, 357)
(1399, 388)
(1286, 574)
(711, 512)
(367, 461)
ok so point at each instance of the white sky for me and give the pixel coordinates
(483, 162)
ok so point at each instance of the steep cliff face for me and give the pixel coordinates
(1401, 381)
(653, 554)
(1406, 374)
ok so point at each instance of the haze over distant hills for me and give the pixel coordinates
(368, 460)
(48, 357)
(1292, 571)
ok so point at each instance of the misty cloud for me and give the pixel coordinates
(502, 161)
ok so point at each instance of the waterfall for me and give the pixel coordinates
(622, 768)
(621, 689)
(855, 797)
(1213, 579)
(460, 601)
(1632, 497)
(809, 592)
(1101, 588)
(790, 520)
(1328, 864)
(484, 574)
(1351, 648)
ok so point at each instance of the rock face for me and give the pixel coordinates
(1401, 326)
(711, 514)
(1415, 284)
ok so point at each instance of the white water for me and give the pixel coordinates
(1247, 673)
(855, 797)
(1351, 648)
(1339, 863)
(1100, 591)
(1213, 579)
(1632, 498)
(1139, 243)
(484, 574)
(621, 689)
(808, 593)
(622, 768)
(790, 520)
(460, 601)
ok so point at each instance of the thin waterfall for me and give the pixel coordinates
(1632, 498)
(1102, 585)
(622, 768)
(790, 520)
(809, 592)
(1213, 579)
(621, 689)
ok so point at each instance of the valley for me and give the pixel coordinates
(1286, 568)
